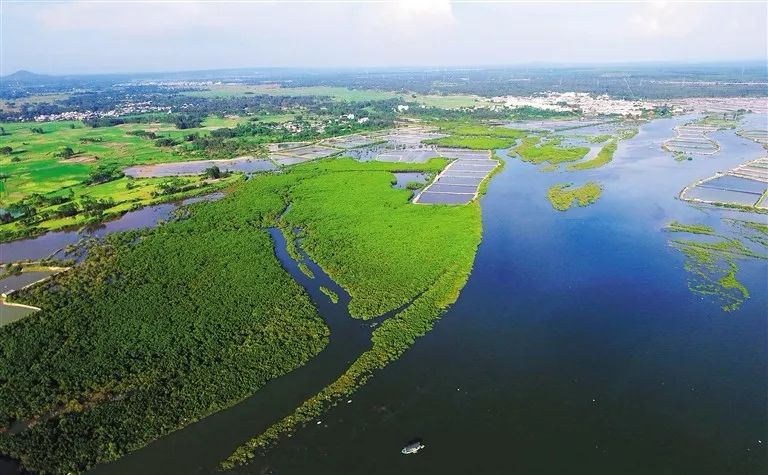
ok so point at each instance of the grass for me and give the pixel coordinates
(721, 120)
(604, 156)
(474, 143)
(34, 167)
(599, 138)
(626, 134)
(157, 329)
(678, 227)
(476, 136)
(539, 150)
(563, 196)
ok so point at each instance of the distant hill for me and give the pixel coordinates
(25, 76)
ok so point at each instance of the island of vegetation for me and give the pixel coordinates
(604, 156)
(562, 196)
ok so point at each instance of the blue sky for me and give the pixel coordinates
(87, 36)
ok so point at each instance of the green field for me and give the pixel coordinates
(157, 329)
(36, 165)
(476, 136)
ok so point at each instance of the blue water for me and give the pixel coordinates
(576, 346)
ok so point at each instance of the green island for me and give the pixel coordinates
(722, 120)
(90, 378)
(330, 293)
(562, 196)
(676, 226)
(604, 156)
(598, 138)
(538, 150)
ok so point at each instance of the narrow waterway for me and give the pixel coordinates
(54, 244)
(200, 447)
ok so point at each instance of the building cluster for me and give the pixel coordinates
(126, 109)
(580, 102)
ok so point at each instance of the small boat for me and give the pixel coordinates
(412, 448)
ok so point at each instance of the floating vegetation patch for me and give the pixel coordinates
(599, 138)
(754, 232)
(675, 226)
(306, 270)
(562, 196)
(712, 264)
(538, 150)
(330, 293)
(604, 156)
(626, 134)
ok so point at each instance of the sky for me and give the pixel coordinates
(105, 36)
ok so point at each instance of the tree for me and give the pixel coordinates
(66, 210)
(66, 153)
(213, 172)
(188, 121)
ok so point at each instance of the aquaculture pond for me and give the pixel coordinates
(577, 345)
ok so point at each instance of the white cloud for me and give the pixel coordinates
(421, 11)
(666, 19)
(133, 18)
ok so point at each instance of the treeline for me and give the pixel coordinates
(27, 211)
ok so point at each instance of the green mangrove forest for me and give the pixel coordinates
(154, 330)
